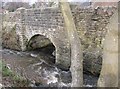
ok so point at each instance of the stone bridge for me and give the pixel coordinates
(25, 24)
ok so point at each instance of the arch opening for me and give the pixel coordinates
(42, 45)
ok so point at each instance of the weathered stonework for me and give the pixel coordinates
(49, 22)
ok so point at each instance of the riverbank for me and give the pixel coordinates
(37, 68)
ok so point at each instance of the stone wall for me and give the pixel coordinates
(91, 27)
(49, 22)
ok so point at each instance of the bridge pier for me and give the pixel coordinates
(22, 43)
(63, 57)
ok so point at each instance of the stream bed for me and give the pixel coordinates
(39, 68)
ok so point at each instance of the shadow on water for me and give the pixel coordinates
(47, 53)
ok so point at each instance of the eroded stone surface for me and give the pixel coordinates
(49, 22)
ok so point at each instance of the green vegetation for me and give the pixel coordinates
(17, 80)
(5, 71)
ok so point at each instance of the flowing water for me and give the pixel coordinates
(40, 69)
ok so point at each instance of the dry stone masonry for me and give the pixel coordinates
(23, 24)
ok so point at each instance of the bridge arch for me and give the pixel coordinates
(42, 42)
(59, 49)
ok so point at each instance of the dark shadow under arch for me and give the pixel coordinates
(41, 44)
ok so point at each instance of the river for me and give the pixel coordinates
(40, 69)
